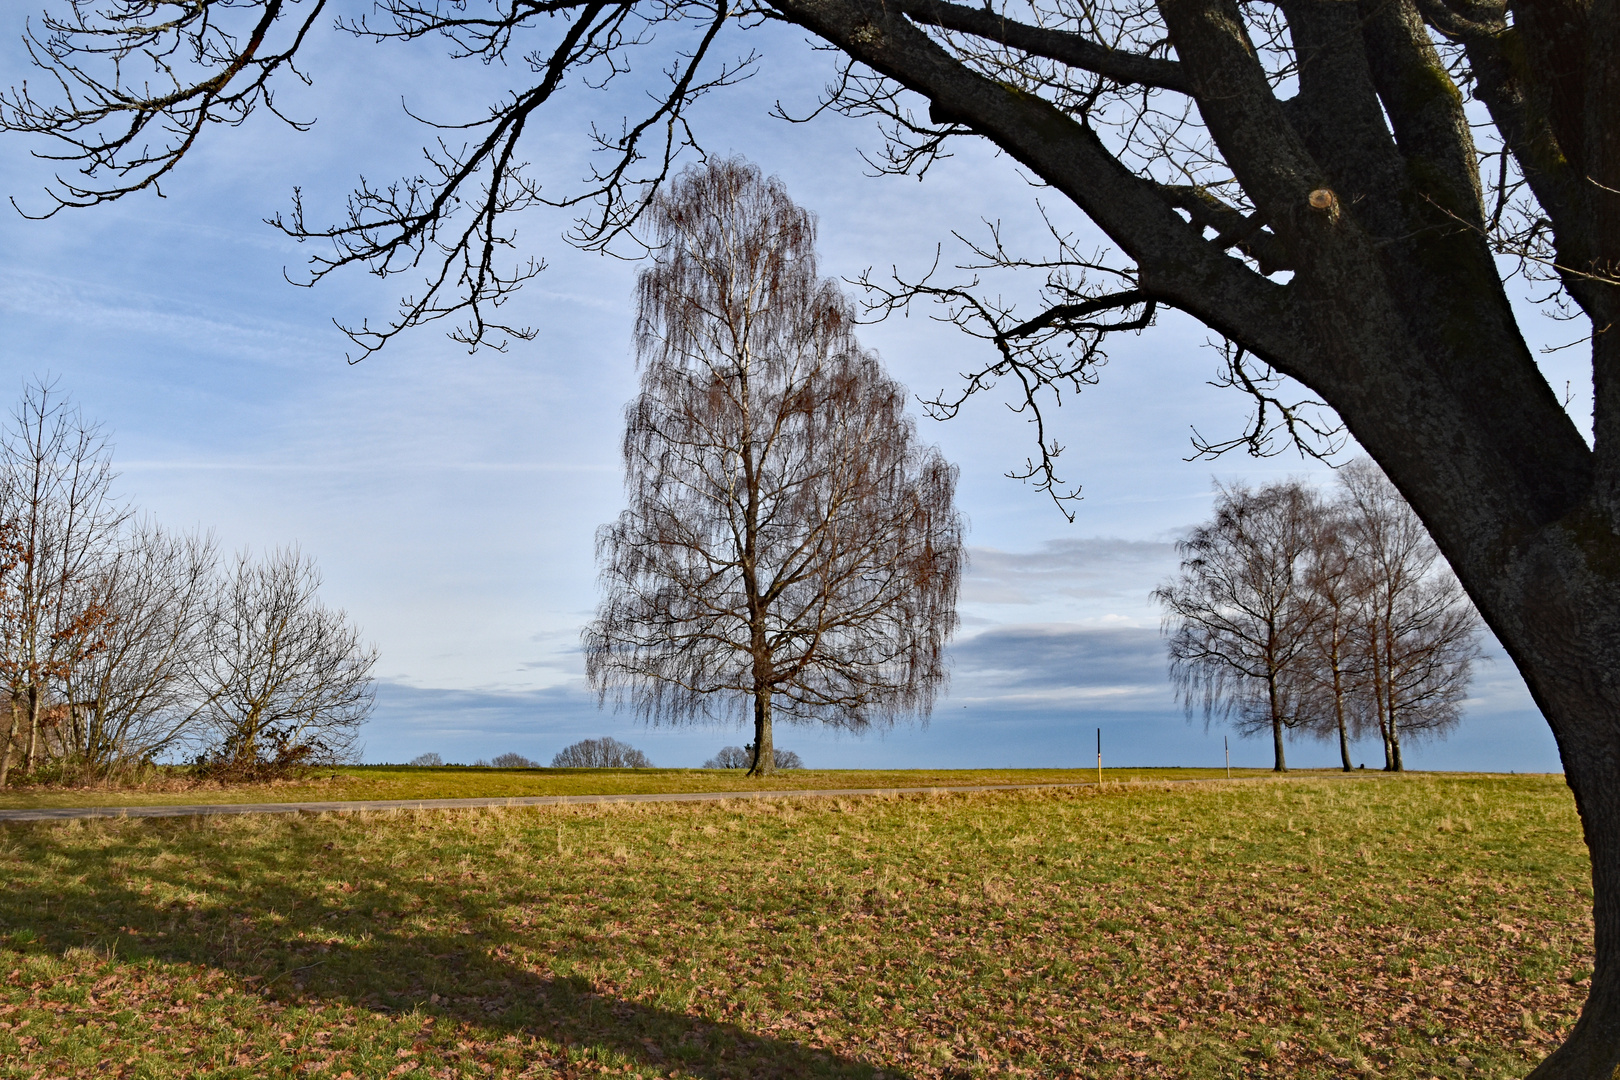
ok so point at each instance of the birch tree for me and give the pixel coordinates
(1241, 615)
(791, 551)
(1419, 634)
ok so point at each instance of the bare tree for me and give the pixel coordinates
(791, 550)
(1241, 615)
(133, 695)
(604, 753)
(285, 679)
(782, 759)
(742, 757)
(56, 498)
(731, 757)
(1419, 632)
(512, 760)
(1338, 191)
(1334, 675)
(429, 760)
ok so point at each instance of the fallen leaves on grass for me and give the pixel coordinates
(1313, 928)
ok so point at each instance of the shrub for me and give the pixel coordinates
(275, 752)
(603, 753)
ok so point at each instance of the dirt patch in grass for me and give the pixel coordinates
(1423, 926)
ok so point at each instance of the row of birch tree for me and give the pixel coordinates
(124, 643)
(1328, 616)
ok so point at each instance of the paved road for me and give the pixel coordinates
(63, 813)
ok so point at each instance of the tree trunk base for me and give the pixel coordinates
(1592, 1051)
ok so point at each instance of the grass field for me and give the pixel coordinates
(385, 782)
(1418, 926)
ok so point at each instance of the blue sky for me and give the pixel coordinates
(451, 500)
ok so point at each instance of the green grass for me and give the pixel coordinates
(384, 782)
(1418, 926)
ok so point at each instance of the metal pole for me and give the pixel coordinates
(1099, 755)
(1226, 742)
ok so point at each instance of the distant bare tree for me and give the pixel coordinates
(133, 694)
(603, 753)
(1333, 680)
(791, 551)
(428, 760)
(731, 757)
(742, 757)
(1240, 617)
(56, 499)
(286, 679)
(514, 761)
(786, 759)
(1420, 632)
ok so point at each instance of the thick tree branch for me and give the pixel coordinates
(1063, 46)
(1176, 266)
(1424, 108)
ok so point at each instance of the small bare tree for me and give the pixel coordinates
(791, 550)
(604, 753)
(63, 523)
(285, 679)
(1419, 634)
(133, 695)
(1241, 615)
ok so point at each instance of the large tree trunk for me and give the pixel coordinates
(764, 752)
(1344, 742)
(1579, 693)
(1592, 1048)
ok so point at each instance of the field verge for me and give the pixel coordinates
(1423, 926)
(364, 783)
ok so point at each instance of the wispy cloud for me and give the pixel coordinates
(1061, 666)
(126, 312)
(1098, 568)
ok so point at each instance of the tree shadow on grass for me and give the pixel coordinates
(281, 940)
